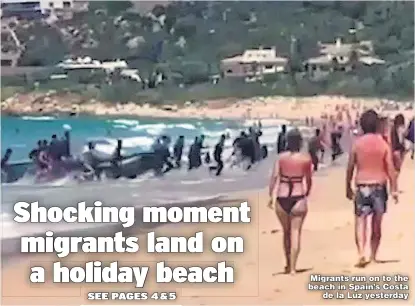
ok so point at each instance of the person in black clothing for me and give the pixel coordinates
(201, 141)
(200, 146)
(410, 136)
(198, 153)
(398, 142)
(5, 169)
(45, 144)
(207, 158)
(54, 148)
(237, 154)
(6, 158)
(217, 155)
(67, 147)
(54, 139)
(192, 155)
(315, 146)
(254, 136)
(166, 157)
(247, 151)
(282, 139)
(178, 151)
(336, 150)
(237, 141)
(244, 147)
(35, 152)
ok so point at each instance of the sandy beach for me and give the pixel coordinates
(327, 249)
(290, 108)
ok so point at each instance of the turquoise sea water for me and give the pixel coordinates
(21, 134)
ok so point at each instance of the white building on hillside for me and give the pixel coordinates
(29, 8)
(89, 63)
(254, 62)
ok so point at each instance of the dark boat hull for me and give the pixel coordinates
(16, 170)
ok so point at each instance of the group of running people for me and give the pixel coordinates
(45, 157)
(246, 147)
(376, 157)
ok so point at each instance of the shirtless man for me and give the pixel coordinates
(371, 156)
(290, 185)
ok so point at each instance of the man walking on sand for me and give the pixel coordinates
(282, 141)
(315, 145)
(371, 156)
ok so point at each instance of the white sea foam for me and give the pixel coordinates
(120, 126)
(39, 118)
(186, 126)
(129, 122)
(158, 128)
(142, 127)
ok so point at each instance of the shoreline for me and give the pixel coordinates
(273, 107)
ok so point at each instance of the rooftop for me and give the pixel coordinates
(339, 49)
(256, 55)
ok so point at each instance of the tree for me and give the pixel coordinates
(113, 8)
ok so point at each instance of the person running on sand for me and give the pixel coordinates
(282, 141)
(335, 137)
(398, 141)
(289, 173)
(316, 145)
(371, 156)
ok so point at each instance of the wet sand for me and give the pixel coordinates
(328, 249)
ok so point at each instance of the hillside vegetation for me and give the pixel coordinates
(186, 41)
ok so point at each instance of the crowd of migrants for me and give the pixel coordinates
(54, 159)
(44, 156)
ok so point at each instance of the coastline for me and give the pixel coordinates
(327, 249)
(274, 107)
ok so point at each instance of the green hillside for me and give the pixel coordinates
(195, 36)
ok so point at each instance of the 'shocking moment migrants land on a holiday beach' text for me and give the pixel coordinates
(115, 272)
(219, 270)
